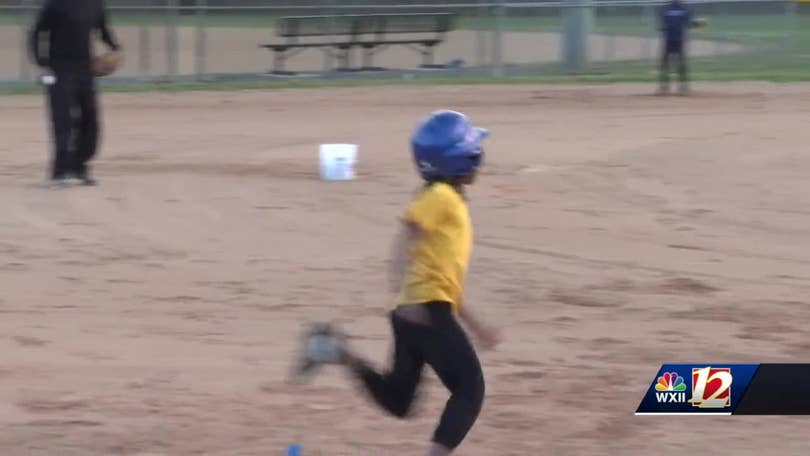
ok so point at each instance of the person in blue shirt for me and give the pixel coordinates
(675, 20)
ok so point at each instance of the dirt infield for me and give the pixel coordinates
(237, 50)
(157, 314)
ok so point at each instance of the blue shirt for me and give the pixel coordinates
(675, 19)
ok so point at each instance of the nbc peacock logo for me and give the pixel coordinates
(670, 388)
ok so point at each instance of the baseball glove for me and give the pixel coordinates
(700, 22)
(107, 63)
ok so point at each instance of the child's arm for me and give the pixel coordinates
(489, 336)
(400, 255)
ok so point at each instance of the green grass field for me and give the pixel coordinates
(765, 26)
(776, 50)
(703, 70)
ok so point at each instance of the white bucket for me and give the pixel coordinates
(337, 161)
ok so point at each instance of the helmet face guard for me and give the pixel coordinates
(478, 158)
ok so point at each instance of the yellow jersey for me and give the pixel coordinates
(440, 255)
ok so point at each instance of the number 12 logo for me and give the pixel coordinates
(711, 387)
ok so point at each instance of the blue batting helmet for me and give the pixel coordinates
(446, 145)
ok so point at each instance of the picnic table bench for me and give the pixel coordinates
(369, 32)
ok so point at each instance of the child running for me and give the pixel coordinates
(430, 259)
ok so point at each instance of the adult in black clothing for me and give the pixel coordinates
(60, 42)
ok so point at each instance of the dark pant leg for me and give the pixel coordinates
(683, 69)
(663, 75)
(395, 391)
(61, 97)
(672, 49)
(88, 124)
(444, 346)
(450, 353)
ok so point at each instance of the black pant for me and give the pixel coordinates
(444, 346)
(673, 50)
(74, 120)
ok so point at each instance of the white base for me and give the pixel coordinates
(337, 161)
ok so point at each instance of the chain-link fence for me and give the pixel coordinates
(209, 38)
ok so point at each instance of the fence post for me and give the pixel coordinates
(25, 12)
(200, 50)
(143, 48)
(610, 42)
(716, 11)
(792, 18)
(648, 19)
(577, 23)
(327, 52)
(480, 34)
(171, 38)
(497, 42)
